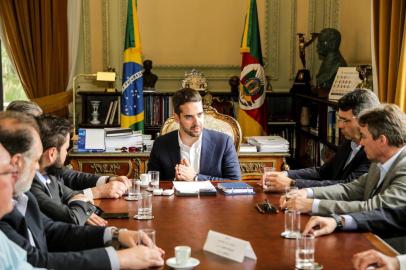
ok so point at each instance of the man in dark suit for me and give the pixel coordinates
(193, 153)
(93, 186)
(60, 245)
(349, 161)
(56, 200)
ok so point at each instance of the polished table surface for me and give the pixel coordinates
(187, 220)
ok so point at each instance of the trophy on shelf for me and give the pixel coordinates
(302, 81)
(365, 72)
(95, 112)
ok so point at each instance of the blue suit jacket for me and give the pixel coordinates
(218, 158)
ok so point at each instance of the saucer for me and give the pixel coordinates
(191, 263)
(143, 218)
(127, 198)
(285, 235)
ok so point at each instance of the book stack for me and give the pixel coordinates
(236, 188)
(272, 144)
(248, 148)
(118, 138)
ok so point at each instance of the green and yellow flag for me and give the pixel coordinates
(252, 114)
(132, 101)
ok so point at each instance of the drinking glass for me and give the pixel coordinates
(305, 252)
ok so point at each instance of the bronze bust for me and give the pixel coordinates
(149, 78)
(328, 48)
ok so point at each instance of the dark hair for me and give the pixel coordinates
(25, 106)
(183, 96)
(387, 120)
(53, 130)
(357, 101)
(16, 132)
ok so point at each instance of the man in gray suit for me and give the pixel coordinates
(383, 135)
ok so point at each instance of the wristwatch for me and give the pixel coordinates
(338, 220)
(115, 243)
(293, 183)
(196, 177)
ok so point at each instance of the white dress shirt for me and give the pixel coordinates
(191, 153)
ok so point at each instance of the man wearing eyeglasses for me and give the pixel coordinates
(349, 161)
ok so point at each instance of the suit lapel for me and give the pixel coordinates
(339, 169)
(206, 152)
(372, 181)
(174, 151)
(33, 220)
(389, 175)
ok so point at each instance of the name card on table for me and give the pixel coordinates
(228, 247)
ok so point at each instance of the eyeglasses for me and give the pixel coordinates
(266, 207)
(346, 121)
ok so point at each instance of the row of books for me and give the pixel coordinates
(157, 109)
(112, 112)
(333, 132)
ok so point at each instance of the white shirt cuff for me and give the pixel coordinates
(402, 261)
(315, 206)
(310, 193)
(349, 223)
(285, 173)
(101, 181)
(108, 234)
(88, 193)
(114, 261)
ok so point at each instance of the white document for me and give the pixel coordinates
(193, 187)
(228, 247)
(94, 139)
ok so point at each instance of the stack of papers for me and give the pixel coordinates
(192, 188)
(248, 148)
(235, 188)
(116, 142)
(274, 144)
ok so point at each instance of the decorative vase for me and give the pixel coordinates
(95, 113)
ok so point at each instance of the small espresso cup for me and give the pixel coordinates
(182, 254)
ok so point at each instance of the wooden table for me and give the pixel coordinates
(186, 221)
(133, 164)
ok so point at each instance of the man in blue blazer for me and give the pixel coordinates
(193, 153)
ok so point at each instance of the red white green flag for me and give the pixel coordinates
(252, 114)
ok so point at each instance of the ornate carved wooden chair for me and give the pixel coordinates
(212, 120)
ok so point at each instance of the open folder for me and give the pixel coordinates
(194, 188)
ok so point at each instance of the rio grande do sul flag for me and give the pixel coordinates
(252, 114)
(132, 101)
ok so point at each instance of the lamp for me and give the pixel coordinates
(100, 77)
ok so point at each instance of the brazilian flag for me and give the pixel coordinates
(132, 101)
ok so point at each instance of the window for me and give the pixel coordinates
(10, 87)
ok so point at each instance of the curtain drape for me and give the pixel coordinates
(389, 37)
(74, 15)
(35, 34)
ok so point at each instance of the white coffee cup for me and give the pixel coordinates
(145, 179)
(182, 254)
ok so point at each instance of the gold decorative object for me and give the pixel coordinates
(195, 80)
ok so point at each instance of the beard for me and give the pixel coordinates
(192, 133)
(24, 182)
(56, 168)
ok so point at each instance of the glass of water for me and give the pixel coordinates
(305, 251)
(144, 207)
(154, 178)
(134, 191)
(292, 224)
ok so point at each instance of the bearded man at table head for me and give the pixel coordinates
(193, 153)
